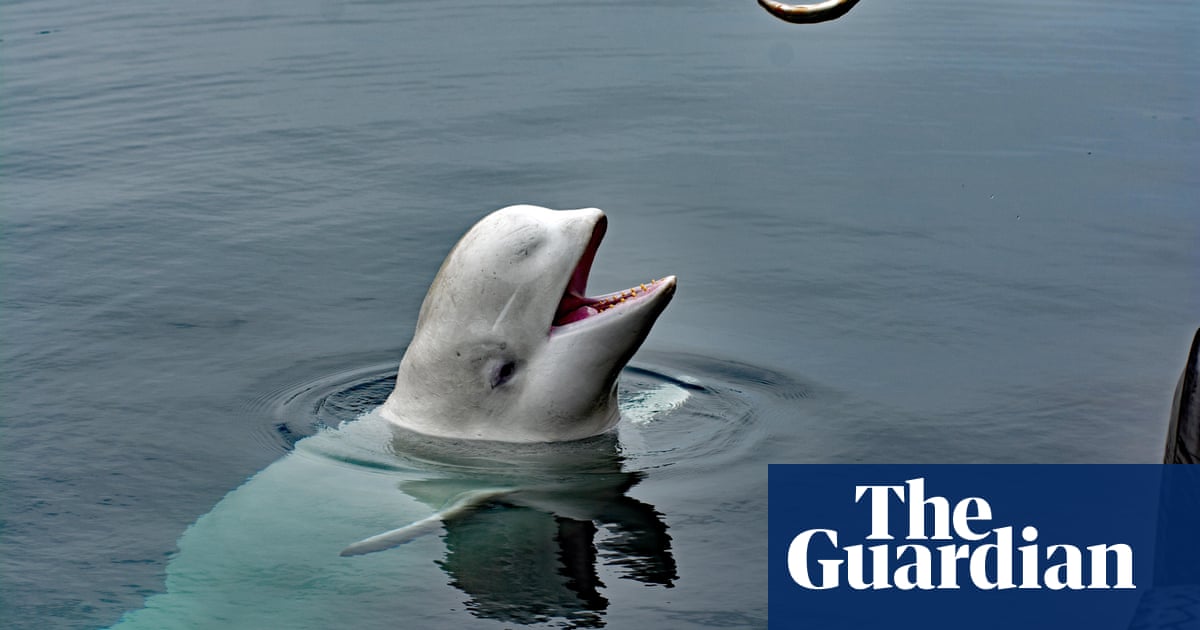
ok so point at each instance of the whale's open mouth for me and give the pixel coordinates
(575, 306)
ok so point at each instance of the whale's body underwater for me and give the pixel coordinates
(268, 555)
(507, 394)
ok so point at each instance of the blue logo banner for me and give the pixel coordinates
(984, 546)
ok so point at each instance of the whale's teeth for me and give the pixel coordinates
(577, 307)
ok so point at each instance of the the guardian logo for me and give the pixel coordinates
(949, 546)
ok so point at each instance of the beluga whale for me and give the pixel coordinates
(499, 434)
(508, 346)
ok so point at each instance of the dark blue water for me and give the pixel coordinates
(930, 231)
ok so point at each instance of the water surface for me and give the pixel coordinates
(931, 231)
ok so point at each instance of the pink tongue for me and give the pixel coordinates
(572, 309)
(582, 312)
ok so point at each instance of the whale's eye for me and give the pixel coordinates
(503, 373)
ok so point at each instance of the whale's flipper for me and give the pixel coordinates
(458, 506)
(1183, 436)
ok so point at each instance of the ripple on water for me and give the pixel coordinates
(292, 412)
(676, 409)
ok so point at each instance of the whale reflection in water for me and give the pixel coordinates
(526, 542)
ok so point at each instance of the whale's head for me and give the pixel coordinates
(509, 347)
